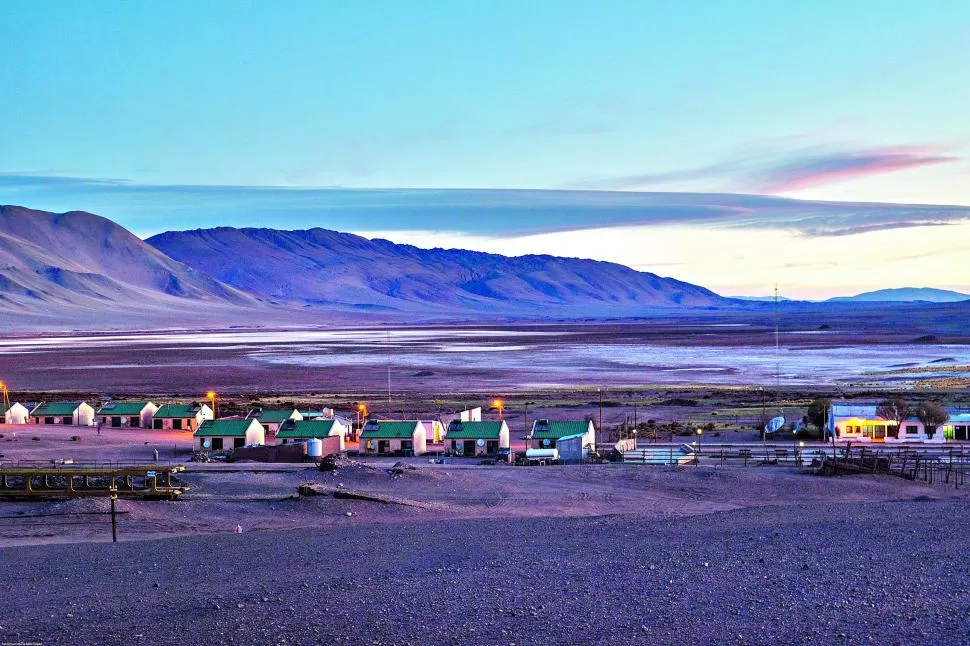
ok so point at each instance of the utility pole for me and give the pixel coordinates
(114, 519)
(600, 429)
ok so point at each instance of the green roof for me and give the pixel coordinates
(55, 409)
(274, 416)
(389, 430)
(558, 430)
(299, 429)
(224, 428)
(474, 430)
(122, 408)
(176, 411)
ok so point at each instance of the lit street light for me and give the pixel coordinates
(500, 405)
(211, 396)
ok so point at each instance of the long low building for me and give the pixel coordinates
(547, 433)
(127, 414)
(393, 437)
(181, 417)
(293, 430)
(476, 438)
(73, 413)
(222, 434)
(860, 422)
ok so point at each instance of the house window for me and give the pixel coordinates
(177, 424)
(912, 429)
(238, 442)
(135, 422)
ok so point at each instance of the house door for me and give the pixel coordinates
(134, 422)
(115, 422)
(383, 446)
(491, 447)
(960, 432)
(48, 420)
(157, 424)
(177, 424)
(469, 447)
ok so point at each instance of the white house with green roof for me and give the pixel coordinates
(294, 430)
(547, 433)
(73, 413)
(476, 438)
(222, 434)
(126, 414)
(181, 417)
(17, 413)
(272, 418)
(387, 437)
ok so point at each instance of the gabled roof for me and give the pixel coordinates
(389, 430)
(177, 411)
(549, 430)
(275, 416)
(224, 427)
(458, 430)
(301, 429)
(55, 409)
(122, 408)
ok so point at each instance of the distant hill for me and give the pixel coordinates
(904, 295)
(318, 267)
(77, 263)
(760, 299)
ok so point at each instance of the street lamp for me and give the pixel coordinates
(211, 396)
(801, 450)
(500, 405)
(700, 437)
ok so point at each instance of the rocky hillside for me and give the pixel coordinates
(324, 268)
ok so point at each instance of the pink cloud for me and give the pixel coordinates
(811, 170)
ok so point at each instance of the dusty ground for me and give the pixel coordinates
(468, 554)
(808, 573)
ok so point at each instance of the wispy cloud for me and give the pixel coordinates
(783, 171)
(495, 213)
(807, 170)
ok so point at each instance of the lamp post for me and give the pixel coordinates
(211, 396)
(700, 437)
(801, 449)
(500, 405)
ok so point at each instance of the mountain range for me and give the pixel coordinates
(80, 269)
(76, 269)
(905, 295)
(324, 268)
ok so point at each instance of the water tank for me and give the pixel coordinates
(314, 447)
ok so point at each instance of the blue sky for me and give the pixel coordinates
(180, 114)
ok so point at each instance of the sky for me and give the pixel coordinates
(636, 129)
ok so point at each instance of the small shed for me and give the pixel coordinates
(16, 414)
(477, 438)
(221, 434)
(181, 417)
(302, 430)
(393, 437)
(75, 413)
(573, 448)
(126, 414)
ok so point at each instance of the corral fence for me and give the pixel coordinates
(944, 464)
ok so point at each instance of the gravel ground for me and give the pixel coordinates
(815, 573)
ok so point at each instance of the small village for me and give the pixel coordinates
(294, 434)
